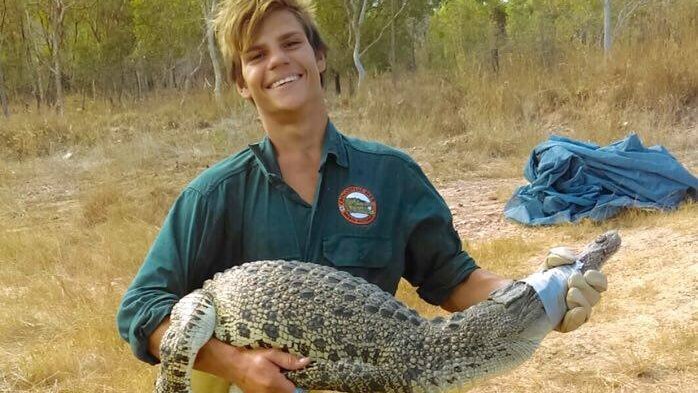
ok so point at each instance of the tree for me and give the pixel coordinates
(457, 32)
(356, 11)
(32, 67)
(332, 21)
(498, 18)
(607, 32)
(356, 14)
(209, 6)
(3, 92)
(57, 12)
(626, 13)
(167, 36)
(50, 16)
(398, 32)
(101, 44)
(622, 18)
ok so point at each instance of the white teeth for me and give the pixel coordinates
(284, 81)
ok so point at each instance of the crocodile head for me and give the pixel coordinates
(599, 251)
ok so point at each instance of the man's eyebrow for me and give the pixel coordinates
(253, 48)
(282, 37)
(290, 34)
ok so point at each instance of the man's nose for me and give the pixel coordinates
(277, 56)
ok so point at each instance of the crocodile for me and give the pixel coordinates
(360, 338)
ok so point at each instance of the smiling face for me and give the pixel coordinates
(280, 70)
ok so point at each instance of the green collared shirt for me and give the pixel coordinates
(375, 215)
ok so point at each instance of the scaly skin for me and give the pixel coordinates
(360, 338)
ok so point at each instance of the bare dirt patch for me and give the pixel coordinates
(477, 207)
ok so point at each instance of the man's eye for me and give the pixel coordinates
(254, 56)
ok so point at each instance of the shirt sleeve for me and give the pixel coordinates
(174, 266)
(435, 262)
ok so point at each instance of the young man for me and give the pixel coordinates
(306, 192)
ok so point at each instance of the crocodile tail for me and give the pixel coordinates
(192, 324)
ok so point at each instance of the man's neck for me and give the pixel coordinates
(302, 134)
(298, 144)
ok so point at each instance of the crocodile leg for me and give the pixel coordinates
(191, 326)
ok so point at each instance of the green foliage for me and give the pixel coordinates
(125, 46)
(166, 29)
(545, 26)
(459, 31)
(409, 24)
(332, 22)
(103, 43)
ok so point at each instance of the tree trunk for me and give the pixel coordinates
(624, 14)
(412, 59)
(357, 43)
(393, 56)
(171, 76)
(607, 32)
(213, 51)
(499, 19)
(547, 30)
(139, 84)
(58, 14)
(3, 95)
(337, 83)
(356, 15)
(32, 60)
(122, 82)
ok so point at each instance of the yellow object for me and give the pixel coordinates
(206, 383)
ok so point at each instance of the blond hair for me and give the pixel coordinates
(237, 21)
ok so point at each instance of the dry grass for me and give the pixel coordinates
(63, 274)
(73, 230)
(457, 120)
(31, 134)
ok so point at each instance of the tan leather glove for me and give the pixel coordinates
(583, 291)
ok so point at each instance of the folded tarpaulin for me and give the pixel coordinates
(571, 180)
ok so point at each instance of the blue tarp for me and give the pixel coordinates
(571, 180)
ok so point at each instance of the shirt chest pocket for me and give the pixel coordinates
(359, 255)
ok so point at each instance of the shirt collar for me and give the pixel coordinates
(333, 145)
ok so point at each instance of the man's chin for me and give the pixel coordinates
(293, 104)
(290, 104)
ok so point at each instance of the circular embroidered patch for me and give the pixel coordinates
(357, 205)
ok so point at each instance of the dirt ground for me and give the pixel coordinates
(477, 206)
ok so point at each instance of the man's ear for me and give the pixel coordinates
(321, 61)
(242, 89)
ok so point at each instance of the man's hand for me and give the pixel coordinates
(583, 291)
(252, 370)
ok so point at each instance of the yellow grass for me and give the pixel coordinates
(81, 199)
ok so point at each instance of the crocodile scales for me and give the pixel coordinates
(360, 338)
